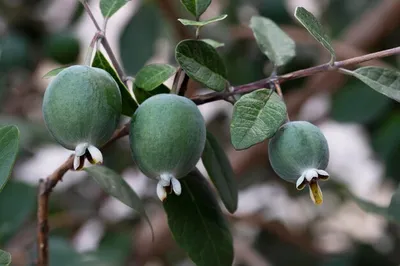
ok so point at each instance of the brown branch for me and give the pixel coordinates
(245, 159)
(177, 78)
(57, 175)
(43, 225)
(47, 185)
(45, 188)
(184, 85)
(246, 88)
(363, 35)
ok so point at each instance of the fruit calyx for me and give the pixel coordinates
(166, 185)
(311, 177)
(88, 151)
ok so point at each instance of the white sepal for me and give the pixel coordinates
(323, 174)
(80, 149)
(96, 154)
(165, 179)
(161, 192)
(176, 186)
(299, 182)
(310, 174)
(77, 162)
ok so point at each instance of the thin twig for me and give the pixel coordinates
(92, 47)
(184, 85)
(177, 78)
(246, 88)
(90, 13)
(105, 43)
(45, 188)
(279, 91)
(57, 175)
(43, 225)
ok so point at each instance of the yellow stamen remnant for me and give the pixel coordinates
(315, 192)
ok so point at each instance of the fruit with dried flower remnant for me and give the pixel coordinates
(167, 138)
(81, 109)
(299, 153)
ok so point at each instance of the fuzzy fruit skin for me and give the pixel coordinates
(167, 136)
(82, 105)
(296, 147)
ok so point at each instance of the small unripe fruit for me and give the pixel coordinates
(81, 109)
(167, 138)
(299, 153)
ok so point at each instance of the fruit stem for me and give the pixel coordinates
(91, 48)
(279, 91)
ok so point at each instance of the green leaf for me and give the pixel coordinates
(188, 22)
(113, 184)
(202, 63)
(17, 204)
(383, 80)
(256, 117)
(197, 223)
(213, 43)
(152, 76)
(315, 28)
(394, 206)
(129, 105)
(142, 95)
(138, 39)
(109, 7)
(221, 173)
(9, 146)
(54, 72)
(196, 7)
(5, 258)
(273, 42)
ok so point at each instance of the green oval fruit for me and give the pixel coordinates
(167, 139)
(168, 135)
(81, 108)
(299, 153)
(63, 48)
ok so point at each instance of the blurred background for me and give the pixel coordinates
(275, 224)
